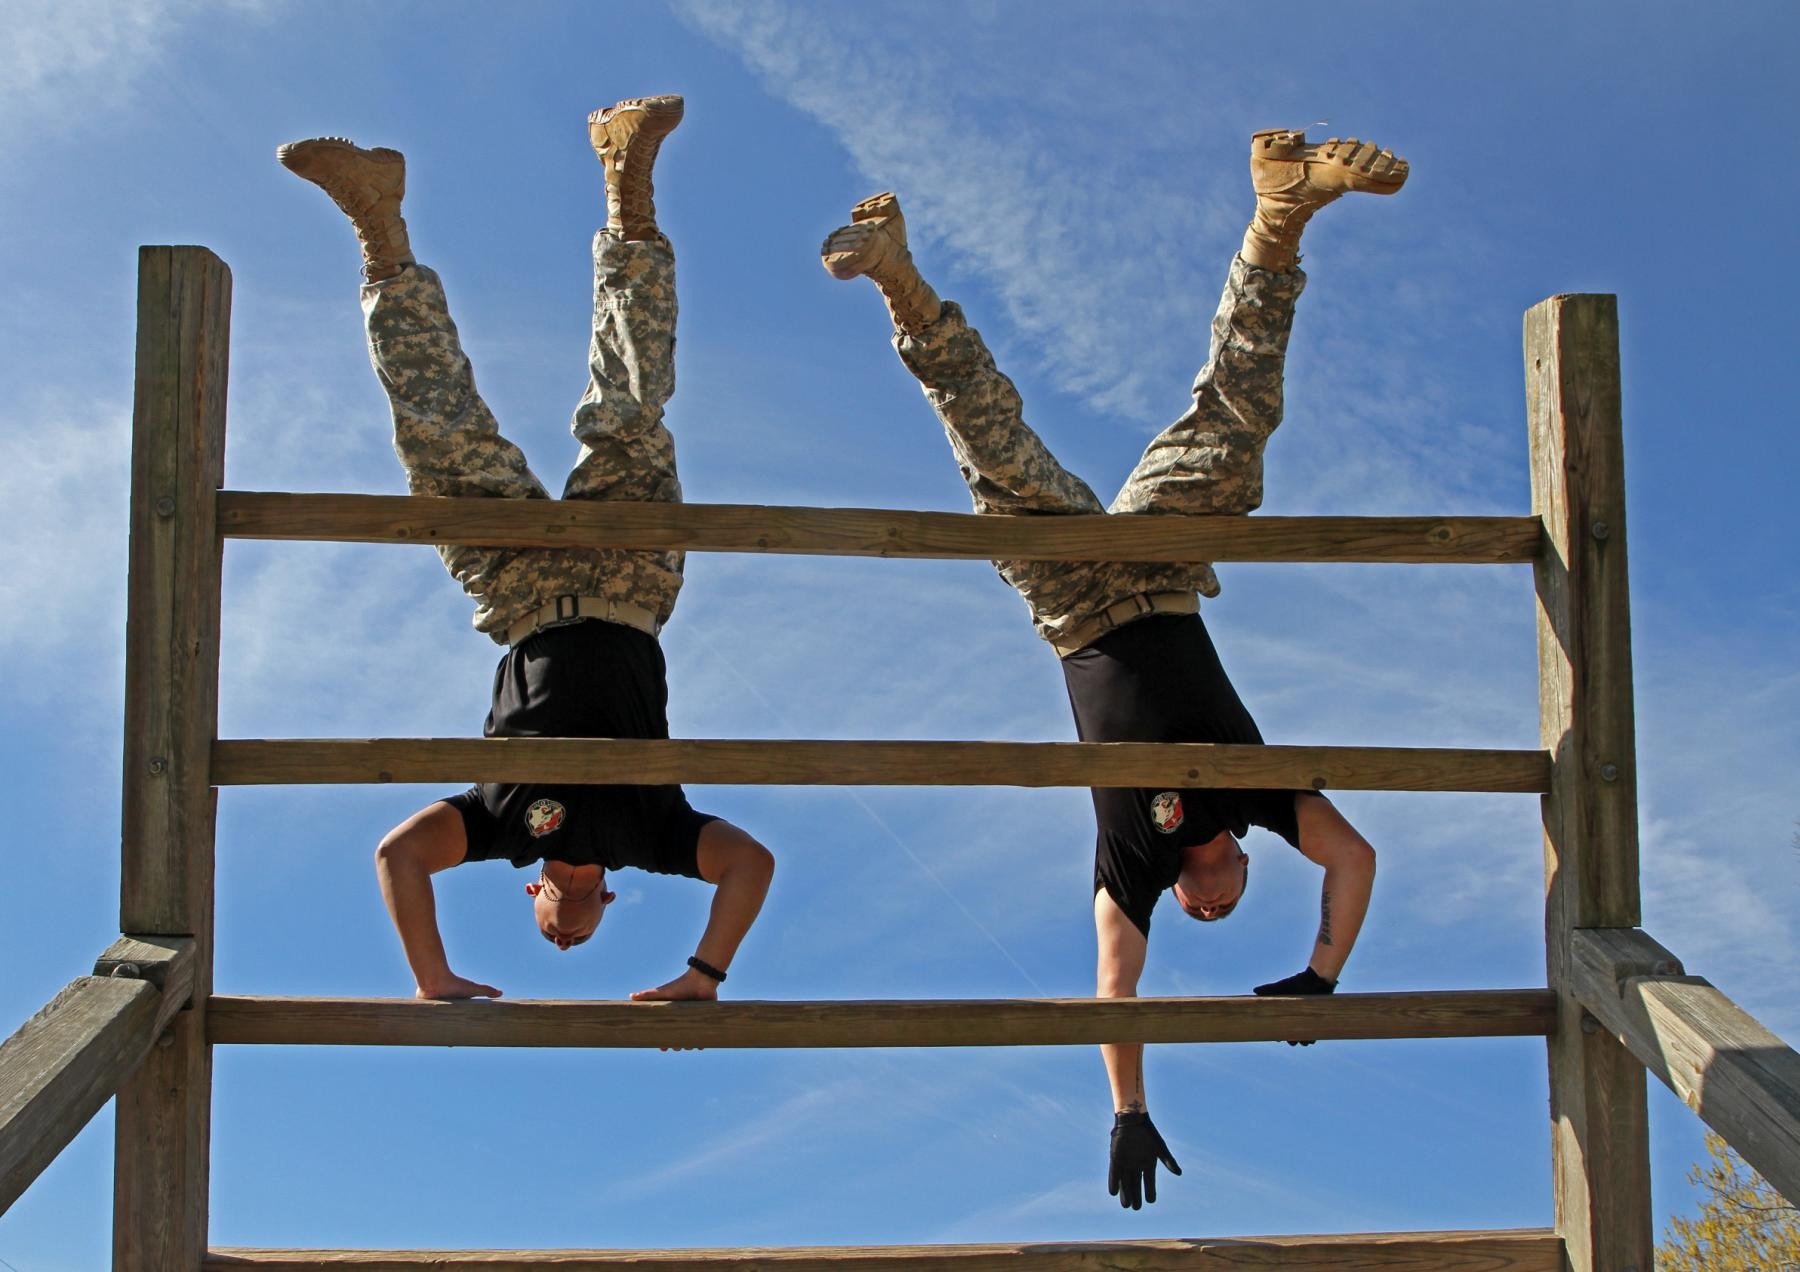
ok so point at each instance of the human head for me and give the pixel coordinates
(1213, 878)
(568, 902)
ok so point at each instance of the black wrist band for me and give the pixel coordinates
(1129, 1118)
(706, 969)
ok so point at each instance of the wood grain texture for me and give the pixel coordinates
(63, 1065)
(1599, 1139)
(1584, 609)
(163, 1124)
(873, 531)
(1519, 1250)
(1742, 1080)
(166, 962)
(760, 762)
(406, 1022)
(172, 607)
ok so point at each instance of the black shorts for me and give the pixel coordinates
(590, 679)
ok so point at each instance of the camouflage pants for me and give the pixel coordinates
(1208, 461)
(450, 444)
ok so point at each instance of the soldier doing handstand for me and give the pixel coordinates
(580, 626)
(1136, 658)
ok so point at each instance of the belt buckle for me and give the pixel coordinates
(1140, 606)
(562, 619)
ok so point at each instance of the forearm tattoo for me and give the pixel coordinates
(1325, 918)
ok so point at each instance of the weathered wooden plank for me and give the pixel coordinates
(762, 762)
(172, 606)
(407, 1022)
(1518, 1250)
(1600, 1140)
(63, 1065)
(873, 531)
(171, 715)
(1584, 611)
(167, 962)
(1742, 1080)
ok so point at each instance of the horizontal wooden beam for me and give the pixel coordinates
(759, 762)
(538, 523)
(63, 1065)
(1516, 1250)
(1742, 1080)
(407, 1022)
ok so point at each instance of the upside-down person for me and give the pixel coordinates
(1135, 654)
(580, 626)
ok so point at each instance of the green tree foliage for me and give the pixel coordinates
(1744, 1225)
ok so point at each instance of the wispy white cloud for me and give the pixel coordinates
(349, 641)
(802, 1113)
(1718, 800)
(1101, 219)
(1049, 223)
(65, 59)
(64, 491)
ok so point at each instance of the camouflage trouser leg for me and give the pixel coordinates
(627, 452)
(444, 433)
(1006, 464)
(1210, 460)
(1010, 470)
(450, 444)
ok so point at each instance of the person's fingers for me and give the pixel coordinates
(1112, 1180)
(1168, 1159)
(1150, 1184)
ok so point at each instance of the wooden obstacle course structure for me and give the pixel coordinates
(1615, 1003)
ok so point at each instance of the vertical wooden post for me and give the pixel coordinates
(171, 717)
(1599, 1136)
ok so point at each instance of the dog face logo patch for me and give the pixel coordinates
(543, 817)
(1165, 812)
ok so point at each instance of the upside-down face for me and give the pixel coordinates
(568, 909)
(1213, 878)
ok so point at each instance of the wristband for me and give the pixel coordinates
(706, 969)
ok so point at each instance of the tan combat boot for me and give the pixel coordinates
(874, 243)
(627, 136)
(1293, 180)
(368, 185)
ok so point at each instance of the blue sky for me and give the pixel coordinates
(1074, 174)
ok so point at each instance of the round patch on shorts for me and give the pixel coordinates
(1165, 812)
(544, 816)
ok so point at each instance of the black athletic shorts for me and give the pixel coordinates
(1159, 680)
(589, 679)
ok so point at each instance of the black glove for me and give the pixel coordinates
(1136, 1144)
(1306, 982)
